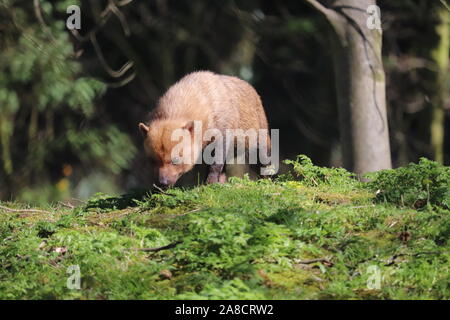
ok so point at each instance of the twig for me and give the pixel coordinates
(120, 16)
(112, 73)
(318, 6)
(314, 261)
(161, 190)
(446, 5)
(123, 3)
(111, 8)
(79, 200)
(38, 13)
(169, 246)
(122, 82)
(183, 214)
(187, 212)
(332, 16)
(361, 207)
(392, 261)
(68, 205)
(24, 210)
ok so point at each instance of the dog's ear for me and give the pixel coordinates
(143, 128)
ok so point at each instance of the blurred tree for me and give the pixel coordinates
(441, 56)
(360, 82)
(48, 115)
(410, 34)
(278, 46)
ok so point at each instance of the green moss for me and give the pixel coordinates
(241, 240)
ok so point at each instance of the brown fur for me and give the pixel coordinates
(218, 101)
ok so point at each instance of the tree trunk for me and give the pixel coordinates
(441, 58)
(360, 85)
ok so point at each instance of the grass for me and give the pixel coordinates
(314, 234)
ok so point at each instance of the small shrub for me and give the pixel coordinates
(415, 185)
(313, 176)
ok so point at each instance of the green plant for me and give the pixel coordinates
(49, 112)
(313, 176)
(240, 240)
(415, 185)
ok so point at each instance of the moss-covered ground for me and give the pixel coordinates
(315, 234)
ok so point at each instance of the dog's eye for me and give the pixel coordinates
(176, 160)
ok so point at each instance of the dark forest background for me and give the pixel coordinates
(70, 102)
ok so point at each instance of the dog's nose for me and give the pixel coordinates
(163, 180)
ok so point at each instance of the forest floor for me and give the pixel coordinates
(317, 235)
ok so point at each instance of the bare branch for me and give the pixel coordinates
(123, 82)
(120, 16)
(445, 4)
(104, 16)
(332, 16)
(325, 261)
(24, 210)
(169, 246)
(123, 3)
(79, 37)
(161, 190)
(319, 7)
(111, 72)
(39, 16)
(68, 205)
(91, 36)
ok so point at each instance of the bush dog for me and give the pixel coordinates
(214, 102)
